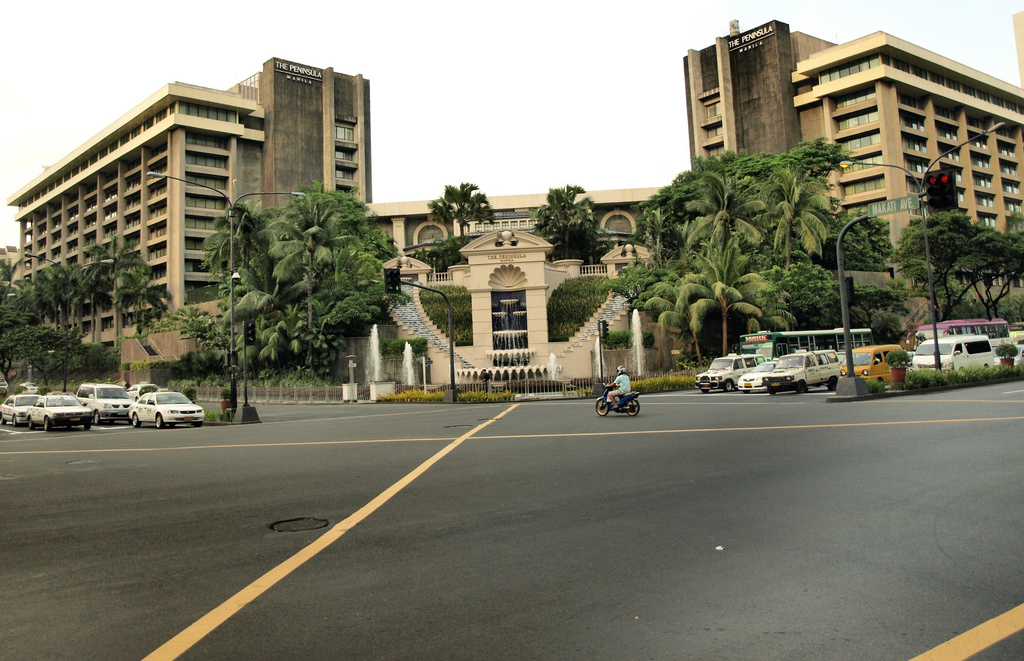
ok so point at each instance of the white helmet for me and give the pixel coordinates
(621, 370)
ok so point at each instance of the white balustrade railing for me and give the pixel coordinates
(439, 277)
(594, 269)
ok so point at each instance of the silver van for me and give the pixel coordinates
(955, 351)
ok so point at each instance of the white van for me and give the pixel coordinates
(955, 352)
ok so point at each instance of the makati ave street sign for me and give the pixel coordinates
(894, 206)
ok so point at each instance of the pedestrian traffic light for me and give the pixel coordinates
(392, 281)
(940, 186)
(603, 325)
(250, 333)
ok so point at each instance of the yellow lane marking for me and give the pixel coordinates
(181, 643)
(227, 446)
(645, 432)
(977, 639)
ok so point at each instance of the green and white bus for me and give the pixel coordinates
(772, 344)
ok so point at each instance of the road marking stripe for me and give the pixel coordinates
(226, 446)
(625, 432)
(977, 639)
(181, 643)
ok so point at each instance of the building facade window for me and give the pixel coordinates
(860, 141)
(197, 110)
(346, 133)
(212, 182)
(1013, 206)
(865, 185)
(348, 175)
(986, 201)
(714, 131)
(206, 140)
(857, 120)
(1008, 168)
(1011, 187)
(980, 161)
(206, 160)
(196, 222)
(836, 73)
(205, 202)
(855, 98)
(915, 144)
(982, 181)
(713, 109)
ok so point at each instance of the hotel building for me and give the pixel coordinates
(277, 131)
(883, 99)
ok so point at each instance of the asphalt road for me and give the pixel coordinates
(720, 526)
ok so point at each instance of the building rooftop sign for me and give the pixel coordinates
(750, 38)
(299, 72)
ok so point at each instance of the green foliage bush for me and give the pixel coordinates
(148, 389)
(929, 378)
(198, 365)
(875, 386)
(572, 305)
(412, 396)
(624, 340)
(481, 396)
(462, 312)
(140, 365)
(392, 349)
(1006, 350)
(190, 392)
(670, 382)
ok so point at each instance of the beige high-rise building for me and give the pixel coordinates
(885, 100)
(277, 131)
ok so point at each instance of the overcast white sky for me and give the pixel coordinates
(514, 97)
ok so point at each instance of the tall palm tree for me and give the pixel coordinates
(307, 237)
(796, 204)
(141, 297)
(125, 260)
(724, 209)
(252, 224)
(460, 205)
(673, 309)
(722, 285)
(563, 210)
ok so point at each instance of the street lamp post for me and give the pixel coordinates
(68, 279)
(853, 385)
(249, 413)
(919, 182)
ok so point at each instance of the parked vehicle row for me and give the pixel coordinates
(752, 373)
(97, 403)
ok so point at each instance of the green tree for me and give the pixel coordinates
(673, 309)
(564, 209)
(460, 205)
(723, 285)
(797, 205)
(442, 254)
(992, 261)
(138, 295)
(725, 208)
(949, 233)
(125, 260)
(807, 291)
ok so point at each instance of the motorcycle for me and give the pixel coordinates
(628, 404)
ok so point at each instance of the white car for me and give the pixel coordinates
(166, 409)
(753, 381)
(133, 391)
(15, 409)
(29, 387)
(108, 401)
(51, 411)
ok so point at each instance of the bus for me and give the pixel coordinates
(772, 344)
(998, 330)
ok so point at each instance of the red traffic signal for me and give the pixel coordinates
(940, 187)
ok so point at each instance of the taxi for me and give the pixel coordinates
(869, 362)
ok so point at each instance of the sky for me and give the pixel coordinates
(514, 97)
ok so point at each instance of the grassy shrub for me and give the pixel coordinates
(875, 386)
(929, 378)
(664, 383)
(462, 312)
(190, 392)
(412, 396)
(573, 304)
(480, 396)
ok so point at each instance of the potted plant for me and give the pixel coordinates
(1006, 353)
(899, 361)
(225, 399)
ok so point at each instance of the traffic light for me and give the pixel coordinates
(940, 187)
(392, 281)
(603, 326)
(250, 333)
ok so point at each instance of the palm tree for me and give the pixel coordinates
(674, 309)
(460, 205)
(724, 209)
(721, 285)
(252, 223)
(307, 238)
(563, 211)
(125, 259)
(141, 297)
(796, 204)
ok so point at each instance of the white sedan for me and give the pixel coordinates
(753, 381)
(51, 411)
(15, 409)
(165, 409)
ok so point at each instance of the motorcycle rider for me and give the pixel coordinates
(621, 385)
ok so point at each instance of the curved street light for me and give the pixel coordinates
(248, 412)
(919, 181)
(68, 279)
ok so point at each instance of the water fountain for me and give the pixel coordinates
(553, 369)
(638, 345)
(375, 358)
(408, 371)
(597, 358)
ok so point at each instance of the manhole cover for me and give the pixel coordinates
(298, 525)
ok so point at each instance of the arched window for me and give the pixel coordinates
(618, 222)
(428, 233)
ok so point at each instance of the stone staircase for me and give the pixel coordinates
(610, 311)
(414, 321)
